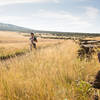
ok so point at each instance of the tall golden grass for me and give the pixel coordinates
(48, 74)
(12, 43)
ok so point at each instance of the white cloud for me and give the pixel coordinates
(56, 20)
(61, 21)
(6, 2)
(54, 15)
(50, 20)
(83, 0)
(13, 19)
(60, 16)
(91, 12)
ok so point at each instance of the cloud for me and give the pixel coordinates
(83, 0)
(91, 12)
(6, 2)
(50, 20)
(61, 20)
(61, 16)
(57, 20)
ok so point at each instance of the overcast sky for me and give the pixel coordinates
(52, 15)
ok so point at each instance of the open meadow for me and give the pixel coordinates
(52, 72)
(12, 44)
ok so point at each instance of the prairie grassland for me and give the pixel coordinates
(48, 74)
(12, 43)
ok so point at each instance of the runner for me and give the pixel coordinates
(33, 41)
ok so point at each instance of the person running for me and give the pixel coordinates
(33, 41)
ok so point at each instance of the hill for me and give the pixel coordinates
(10, 27)
(14, 28)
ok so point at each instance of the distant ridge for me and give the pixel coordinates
(15, 28)
(10, 27)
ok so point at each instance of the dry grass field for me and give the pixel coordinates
(12, 43)
(52, 72)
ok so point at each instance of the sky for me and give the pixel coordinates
(52, 15)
